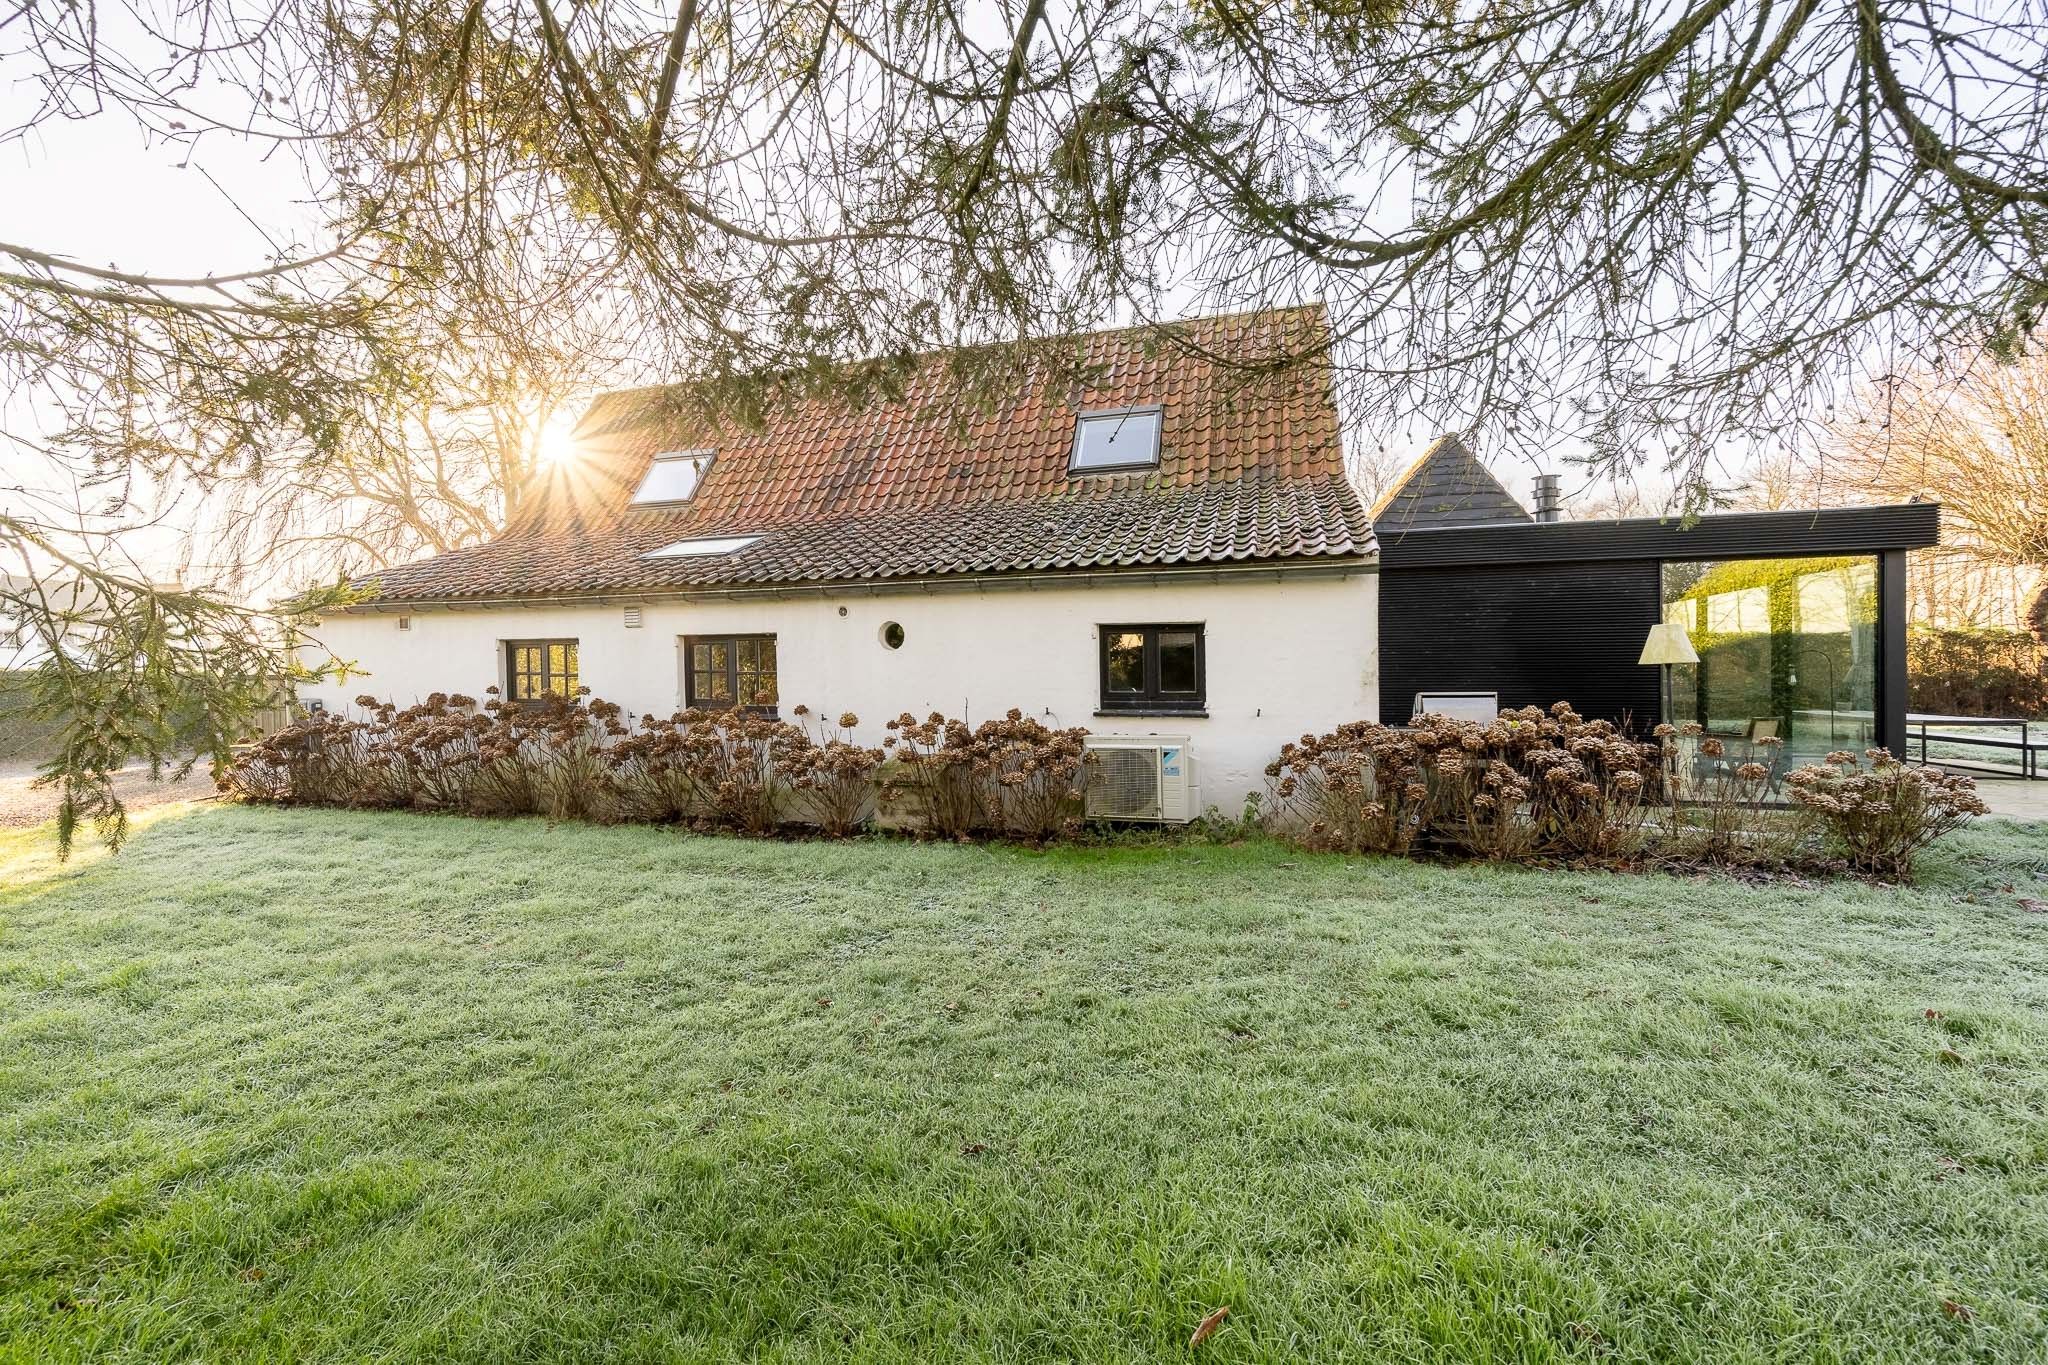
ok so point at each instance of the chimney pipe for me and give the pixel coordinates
(1549, 507)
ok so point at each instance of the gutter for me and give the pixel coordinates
(930, 586)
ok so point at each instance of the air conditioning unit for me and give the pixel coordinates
(1142, 777)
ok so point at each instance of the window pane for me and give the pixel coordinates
(1787, 652)
(703, 545)
(674, 476)
(734, 671)
(1127, 661)
(756, 667)
(1177, 661)
(711, 672)
(519, 677)
(1116, 439)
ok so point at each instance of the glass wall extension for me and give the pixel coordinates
(1788, 651)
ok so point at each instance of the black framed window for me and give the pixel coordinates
(540, 668)
(721, 671)
(1154, 668)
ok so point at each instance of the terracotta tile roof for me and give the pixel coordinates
(1447, 486)
(936, 483)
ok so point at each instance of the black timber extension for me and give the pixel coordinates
(1556, 611)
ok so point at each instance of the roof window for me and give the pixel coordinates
(705, 545)
(673, 477)
(1115, 439)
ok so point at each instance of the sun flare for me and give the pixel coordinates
(558, 447)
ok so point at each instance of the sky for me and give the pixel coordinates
(96, 190)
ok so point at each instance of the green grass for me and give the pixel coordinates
(313, 1085)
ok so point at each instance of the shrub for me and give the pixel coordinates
(432, 751)
(1975, 672)
(445, 753)
(1883, 815)
(655, 775)
(544, 758)
(325, 760)
(1526, 783)
(1358, 789)
(1478, 803)
(1015, 775)
(712, 767)
(1728, 815)
(1034, 771)
(831, 779)
(934, 767)
(274, 770)
(578, 758)
(1534, 784)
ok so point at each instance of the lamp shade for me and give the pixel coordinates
(1668, 644)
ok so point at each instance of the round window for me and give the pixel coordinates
(892, 635)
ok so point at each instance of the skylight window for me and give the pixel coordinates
(674, 476)
(704, 545)
(1123, 438)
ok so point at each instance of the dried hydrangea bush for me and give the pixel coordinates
(1527, 784)
(583, 758)
(1882, 815)
(1551, 786)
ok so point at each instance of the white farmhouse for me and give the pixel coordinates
(1169, 548)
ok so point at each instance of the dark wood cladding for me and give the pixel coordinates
(1536, 634)
(1743, 535)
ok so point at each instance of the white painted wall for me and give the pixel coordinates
(1284, 657)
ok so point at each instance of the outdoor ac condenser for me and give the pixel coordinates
(1142, 777)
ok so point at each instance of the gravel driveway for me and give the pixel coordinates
(24, 803)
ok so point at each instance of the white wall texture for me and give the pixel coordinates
(1284, 656)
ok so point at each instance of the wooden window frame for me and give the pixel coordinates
(690, 698)
(513, 673)
(1152, 701)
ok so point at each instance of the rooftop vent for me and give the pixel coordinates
(1549, 505)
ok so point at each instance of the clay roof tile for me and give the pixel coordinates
(1250, 469)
